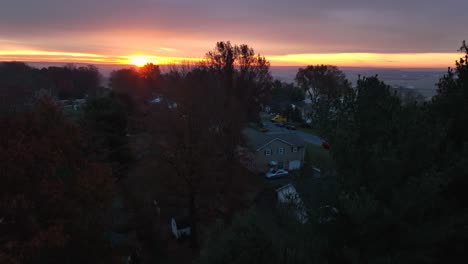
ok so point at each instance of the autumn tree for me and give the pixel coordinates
(21, 74)
(87, 79)
(151, 76)
(53, 201)
(326, 86)
(19, 86)
(255, 80)
(245, 75)
(105, 123)
(448, 110)
(244, 241)
(293, 114)
(200, 161)
(325, 82)
(71, 82)
(205, 135)
(284, 95)
(128, 82)
(198, 137)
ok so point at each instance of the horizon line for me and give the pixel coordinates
(422, 60)
(285, 66)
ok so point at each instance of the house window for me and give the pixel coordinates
(281, 151)
(294, 149)
(267, 152)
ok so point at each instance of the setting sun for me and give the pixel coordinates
(141, 60)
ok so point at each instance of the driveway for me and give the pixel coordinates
(309, 138)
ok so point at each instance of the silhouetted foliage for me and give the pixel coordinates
(245, 241)
(151, 75)
(127, 81)
(105, 122)
(293, 114)
(21, 74)
(285, 94)
(138, 83)
(53, 201)
(401, 172)
(71, 82)
(245, 75)
(323, 82)
(202, 163)
(20, 85)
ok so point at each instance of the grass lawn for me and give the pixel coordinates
(319, 157)
(265, 117)
(313, 131)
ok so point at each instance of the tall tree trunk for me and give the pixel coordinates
(193, 222)
(311, 95)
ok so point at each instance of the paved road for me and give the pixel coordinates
(309, 138)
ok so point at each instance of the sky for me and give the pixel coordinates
(361, 33)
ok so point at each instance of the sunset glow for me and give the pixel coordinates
(46, 53)
(380, 60)
(140, 60)
(383, 60)
(343, 33)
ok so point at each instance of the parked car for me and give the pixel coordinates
(325, 145)
(291, 127)
(276, 174)
(280, 124)
(264, 129)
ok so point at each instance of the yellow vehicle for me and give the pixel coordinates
(279, 118)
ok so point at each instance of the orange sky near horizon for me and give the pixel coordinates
(377, 60)
(364, 33)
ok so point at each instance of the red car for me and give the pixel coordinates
(325, 145)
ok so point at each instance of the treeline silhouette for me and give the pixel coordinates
(99, 184)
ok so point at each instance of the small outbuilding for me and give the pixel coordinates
(180, 227)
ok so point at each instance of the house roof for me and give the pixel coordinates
(287, 186)
(260, 140)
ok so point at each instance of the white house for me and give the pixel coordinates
(180, 227)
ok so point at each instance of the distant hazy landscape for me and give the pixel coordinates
(422, 80)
